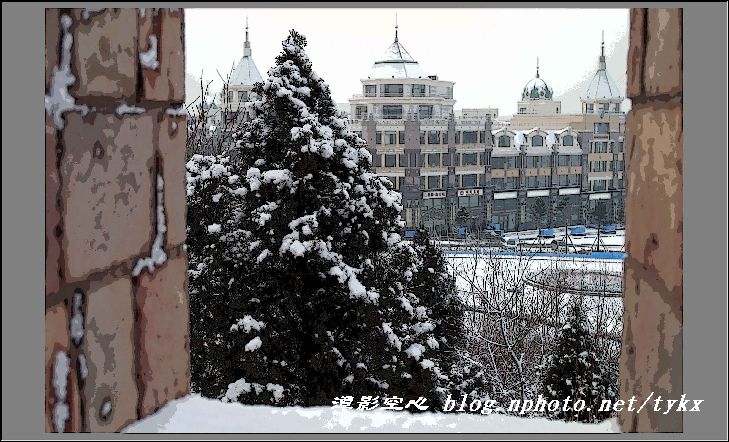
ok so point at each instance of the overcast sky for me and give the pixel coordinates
(489, 53)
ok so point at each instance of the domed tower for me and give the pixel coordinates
(536, 98)
(397, 88)
(242, 79)
(601, 96)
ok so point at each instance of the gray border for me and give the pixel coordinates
(705, 263)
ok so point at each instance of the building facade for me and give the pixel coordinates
(472, 169)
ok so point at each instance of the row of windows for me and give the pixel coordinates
(537, 140)
(602, 107)
(604, 147)
(438, 137)
(242, 96)
(475, 159)
(398, 90)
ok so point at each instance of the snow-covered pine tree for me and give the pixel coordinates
(323, 305)
(576, 371)
(216, 260)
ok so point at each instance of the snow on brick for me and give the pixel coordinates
(58, 100)
(148, 59)
(61, 369)
(157, 255)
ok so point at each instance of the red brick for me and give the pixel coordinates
(663, 71)
(107, 191)
(53, 37)
(58, 341)
(636, 52)
(172, 143)
(109, 350)
(167, 81)
(163, 333)
(53, 215)
(104, 54)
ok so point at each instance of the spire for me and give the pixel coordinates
(247, 44)
(396, 27)
(537, 67)
(602, 65)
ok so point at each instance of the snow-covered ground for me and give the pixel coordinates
(195, 414)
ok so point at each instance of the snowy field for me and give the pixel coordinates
(195, 414)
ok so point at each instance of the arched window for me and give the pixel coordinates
(568, 140)
(504, 141)
(537, 140)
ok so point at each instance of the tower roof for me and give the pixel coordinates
(602, 85)
(245, 72)
(536, 88)
(396, 62)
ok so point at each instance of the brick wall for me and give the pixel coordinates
(652, 351)
(117, 342)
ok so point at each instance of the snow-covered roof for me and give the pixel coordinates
(602, 86)
(396, 62)
(245, 73)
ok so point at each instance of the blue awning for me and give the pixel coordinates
(579, 230)
(546, 233)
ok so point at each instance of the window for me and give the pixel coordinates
(458, 137)
(617, 107)
(444, 137)
(620, 147)
(360, 111)
(242, 95)
(468, 180)
(468, 201)
(598, 166)
(390, 138)
(602, 128)
(482, 137)
(434, 182)
(504, 141)
(598, 185)
(508, 204)
(392, 90)
(589, 108)
(575, 160)
(469, 137)
(497, 162)
(433, 159)
(522, 110)
(433, 137)
(511, 183)
(619, 165)
(468, 159)
(600, 147)
(568, 140)
(574, 180)
(370, 90)
(422, 137)
(449, 92)
(401, 137)
(390, 160)
(418, 90)
(230, 96)
(378, 137)
(498, 183)
(537, 140)
(425, 111)
(392, 112)
(604, 107)
(378, 160)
